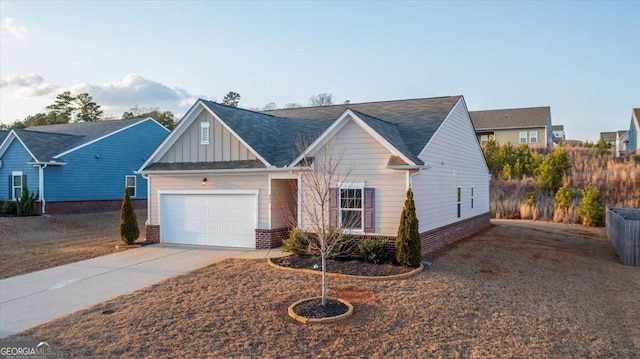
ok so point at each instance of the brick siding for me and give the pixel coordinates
(271, 238)
(152, 233)
(69, 207)
(438, 238)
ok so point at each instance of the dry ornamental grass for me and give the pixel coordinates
(520, 289)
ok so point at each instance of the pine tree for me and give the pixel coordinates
(408, 247)
(129, 230)
(591, 208)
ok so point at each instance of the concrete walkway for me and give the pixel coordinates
(35, 298)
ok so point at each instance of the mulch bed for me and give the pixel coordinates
(350, 267)
(313, 308)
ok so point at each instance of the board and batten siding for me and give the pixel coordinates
(223, 145)
(214, 182)
(16, 158)
(98, 170)
(365, 160)
(455, 160)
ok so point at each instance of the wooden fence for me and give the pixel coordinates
(623, 229)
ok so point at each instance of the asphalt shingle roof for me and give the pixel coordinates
(46, 142)
(510, 118)
(3, 135)
(278, 135)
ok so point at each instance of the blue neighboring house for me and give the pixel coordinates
(78, 167)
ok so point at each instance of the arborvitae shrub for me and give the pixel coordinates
(591, 209)
(129, 230)
(408, 247)
(24, 206)
(374, 250)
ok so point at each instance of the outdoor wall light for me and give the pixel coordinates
(204, 182)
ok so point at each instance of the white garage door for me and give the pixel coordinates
(208, 219)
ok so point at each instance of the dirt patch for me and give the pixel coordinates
(579, 302)
(28, 244)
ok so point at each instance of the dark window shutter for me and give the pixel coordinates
(10, 188)
(24, 181)
(333, 207)
(369, 210)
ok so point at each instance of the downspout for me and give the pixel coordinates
(148, 221)
(410, 178)
(43, 203)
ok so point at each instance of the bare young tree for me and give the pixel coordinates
(292, 105)
(319, 192)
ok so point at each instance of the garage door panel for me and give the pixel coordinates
(209, 219)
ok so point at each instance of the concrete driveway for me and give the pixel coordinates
(35, 298)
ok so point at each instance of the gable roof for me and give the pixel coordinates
(408, 125)
(46, 143)
(3, 135)
(275, 136)
(510, 118)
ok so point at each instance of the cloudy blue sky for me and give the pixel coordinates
(581, 58)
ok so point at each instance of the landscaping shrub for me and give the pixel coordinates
(591, 209)
(24, 206)
(374, 250)
(129, 230)
(297, 242)
(408, 246)
(10, 207)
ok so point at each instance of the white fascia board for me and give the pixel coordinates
(223, 171)
(7, 142)
(182, 126)
(255, 153)
(336, 126)
(108, 135)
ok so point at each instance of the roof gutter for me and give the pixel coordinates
(409, 167)
(223, 171)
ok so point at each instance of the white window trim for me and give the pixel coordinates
(204, 133)
(355, 185)
(531, 138)
(135, 185)
(14, 187)
(523, 137)
(484, 139)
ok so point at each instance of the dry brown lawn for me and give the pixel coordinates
(28, 244)
(520, 289)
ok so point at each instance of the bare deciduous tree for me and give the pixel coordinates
(318, 189)
(321, 99)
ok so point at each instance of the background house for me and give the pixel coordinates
(622, 142)
(81, 166)
(558, 133)
(519, 125)
(634, 132)
(609, 138)
(232, 177)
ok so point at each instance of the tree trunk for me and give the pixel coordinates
(324, 280)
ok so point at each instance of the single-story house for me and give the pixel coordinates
(517, 125)
(634, 132)
(79, 167)
(609, 138)
(223, 174)
(558, 133)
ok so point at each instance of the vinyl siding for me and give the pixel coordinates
(634, 135)
(223, 146)
(453, 164)
(365, 160)
(16, 158)
(513, 136)
(283, 203)
(214, 182)
(97, 171)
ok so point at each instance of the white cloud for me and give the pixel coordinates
(29, 85)
(135, 90)
(9, 26)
